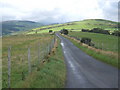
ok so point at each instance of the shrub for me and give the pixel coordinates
(105, 32)
(116, 33)
(50, 31)
(64, 31)
(99, 30)
(85, 30)
(91, 44)
(87, 41)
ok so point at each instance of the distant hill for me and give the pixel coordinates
(79, 25)
(9, 27)
(97, 23)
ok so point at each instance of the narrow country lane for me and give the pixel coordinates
(83, 71)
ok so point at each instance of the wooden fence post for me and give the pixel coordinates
(114, 48)
(29, 61)
(52, 42)
(54, 38)
(102, 46)
(9, 66)
(50, 46)
(38, 53)
(47, 48)
(98, 46)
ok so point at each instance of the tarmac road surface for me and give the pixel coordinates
(83, 71)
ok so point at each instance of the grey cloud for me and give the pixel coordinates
(7, 17)
(109, 9)
(7, 5)
(53, 16)
(56, 15)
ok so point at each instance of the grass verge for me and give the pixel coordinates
(49, 74)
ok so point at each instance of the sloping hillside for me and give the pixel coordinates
(9, 27)
(97, 23)
(78, 25)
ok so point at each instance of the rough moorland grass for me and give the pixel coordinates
(50, 74)
(19, 45)
(19, 60)
(99, 56)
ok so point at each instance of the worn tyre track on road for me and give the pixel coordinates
(83, 71)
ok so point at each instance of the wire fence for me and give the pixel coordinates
(23, 61)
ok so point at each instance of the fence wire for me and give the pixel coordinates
(26, 60)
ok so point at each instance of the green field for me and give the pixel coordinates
(106, 42)
(49, 74)
(78, 25)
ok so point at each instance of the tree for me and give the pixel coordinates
(99, 30)
(116, 33)
(87, 41)
(50, 31)
(64, 31)
(85, 30)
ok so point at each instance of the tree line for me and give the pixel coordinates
(102, 31)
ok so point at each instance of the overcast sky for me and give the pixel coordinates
(57, 11)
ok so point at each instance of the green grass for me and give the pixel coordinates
(97, 23)
(109, 59)
(19, 48)
(49, 74)
(78, 25)
(106, 42)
